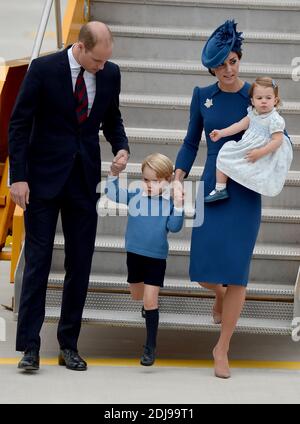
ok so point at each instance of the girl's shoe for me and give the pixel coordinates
(216, 195)
(148, 357)
(221, 367)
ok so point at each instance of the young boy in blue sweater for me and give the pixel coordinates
(152, 214)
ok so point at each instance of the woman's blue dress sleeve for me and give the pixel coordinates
(188, 151)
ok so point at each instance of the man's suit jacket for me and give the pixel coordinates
(44, 135)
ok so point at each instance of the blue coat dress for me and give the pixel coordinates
(221, 249)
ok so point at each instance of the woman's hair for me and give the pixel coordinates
(239, 54)
(161, 164)
(265, 82)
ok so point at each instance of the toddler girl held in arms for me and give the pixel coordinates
(261, 160)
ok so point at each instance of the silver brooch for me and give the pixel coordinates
(208, 103)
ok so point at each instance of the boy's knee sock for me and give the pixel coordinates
(152, 319)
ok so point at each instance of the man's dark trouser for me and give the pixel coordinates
(79, 222)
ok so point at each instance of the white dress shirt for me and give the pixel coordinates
(90, 79)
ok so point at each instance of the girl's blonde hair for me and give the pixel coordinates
(161, 164)
(266, 82)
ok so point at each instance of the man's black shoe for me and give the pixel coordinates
(30, 361)
(148, 357)
(71, 359)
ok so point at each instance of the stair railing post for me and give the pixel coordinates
(41, 31)
(297, 296)
(60, 44)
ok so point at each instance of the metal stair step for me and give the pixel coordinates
(270, 262)
(176, 322)
(289, 197)
(169, 77)
(257, 14)
(141, 110)
(202, 34)
(144, 141)
(243, 4)
(282, 71)
(159, 136)
(170, 43)
(178, 313)
(281, 215)
(176, 285)
(134, 170)
(278, 225)
(183, 102)
(182, 247)
(278, 215)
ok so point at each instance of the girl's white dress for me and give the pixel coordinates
(267, 175)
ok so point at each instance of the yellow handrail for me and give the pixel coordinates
(76, 14)
(17, 240)
(11, 222)
(6, 208)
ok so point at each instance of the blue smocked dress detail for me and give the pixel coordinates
(268, 174)
(221, 249)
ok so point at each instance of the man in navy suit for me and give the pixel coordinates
(55, 166)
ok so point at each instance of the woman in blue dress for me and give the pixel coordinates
(221, 249)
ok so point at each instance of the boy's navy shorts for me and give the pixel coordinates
(145, 269)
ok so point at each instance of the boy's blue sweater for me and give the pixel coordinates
(146, 232)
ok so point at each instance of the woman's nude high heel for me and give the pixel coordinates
(221, 367)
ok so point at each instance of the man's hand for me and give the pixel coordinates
(254, 155)
(19, 193)
(120, 161)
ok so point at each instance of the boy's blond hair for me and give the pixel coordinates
(266, 82)
(161, 164)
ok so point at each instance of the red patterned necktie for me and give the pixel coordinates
(81, 98)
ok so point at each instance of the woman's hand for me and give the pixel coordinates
(254, 155)
(215, 135)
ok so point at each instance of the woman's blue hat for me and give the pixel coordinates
(224, 39)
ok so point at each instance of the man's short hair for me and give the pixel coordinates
(89, 37)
